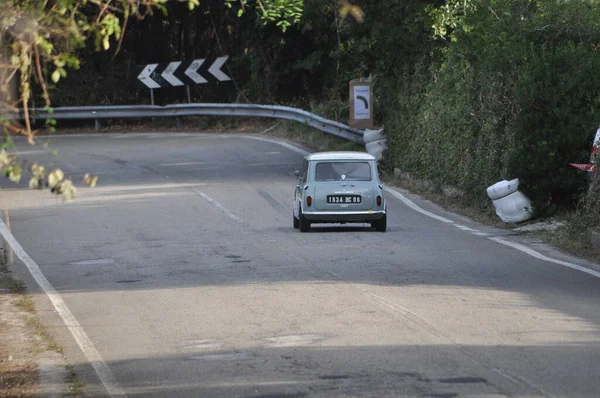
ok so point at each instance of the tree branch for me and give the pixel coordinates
(40, 75)
(122, 35)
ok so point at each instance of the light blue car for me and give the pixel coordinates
(339, 187)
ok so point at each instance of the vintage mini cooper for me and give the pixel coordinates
(339, 187)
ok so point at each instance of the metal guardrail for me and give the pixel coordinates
(242, 110)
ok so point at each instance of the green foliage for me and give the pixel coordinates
(450, 16)
(44, 38)
(587, 213)
(469, 91)
(513, 94)
(284, 13)
(41, 38)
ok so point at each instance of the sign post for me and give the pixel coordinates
(361, 104)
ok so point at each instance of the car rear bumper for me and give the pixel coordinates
(343, 216)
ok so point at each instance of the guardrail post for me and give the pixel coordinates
(97, 124)
(178, 121)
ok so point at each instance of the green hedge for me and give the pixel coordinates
(514, 94)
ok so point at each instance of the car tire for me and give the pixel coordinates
(296, 222)
(303, 223)
(381, 224)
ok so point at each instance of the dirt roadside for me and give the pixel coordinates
(31, 365)
(19, 348)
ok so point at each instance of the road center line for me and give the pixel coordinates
(81, 338)
(283, 144)
(217, 205)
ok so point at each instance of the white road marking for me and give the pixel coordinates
(99, 261)
(465, 228)
(82, 339)
(471, 230)
(283, 144)
(540, 256)
(217, 205)
(418, 209)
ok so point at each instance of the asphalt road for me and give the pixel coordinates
(184, 275)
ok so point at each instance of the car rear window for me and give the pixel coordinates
(343, 171)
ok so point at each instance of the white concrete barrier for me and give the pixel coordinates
(376, 148)
(373, 135)
(511, 205)
(502, 189)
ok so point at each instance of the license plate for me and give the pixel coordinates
(344, 199)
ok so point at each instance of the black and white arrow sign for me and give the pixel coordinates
(192, 71)
(169, 74)
(174, 74)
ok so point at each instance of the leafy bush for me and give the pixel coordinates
(514, 94)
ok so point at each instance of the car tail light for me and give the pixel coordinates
(378, 200)
(309, 201)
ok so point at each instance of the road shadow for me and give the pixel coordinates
(363, 371)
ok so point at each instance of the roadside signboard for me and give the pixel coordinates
(361, 104)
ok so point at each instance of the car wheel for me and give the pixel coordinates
(303, 223)
(296, 222)
(381, 224)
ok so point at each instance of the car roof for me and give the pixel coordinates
(340, 155)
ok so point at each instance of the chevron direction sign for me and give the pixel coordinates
(174, 74)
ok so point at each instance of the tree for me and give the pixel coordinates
(513, 93)
(38, 42)
(38, 39)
